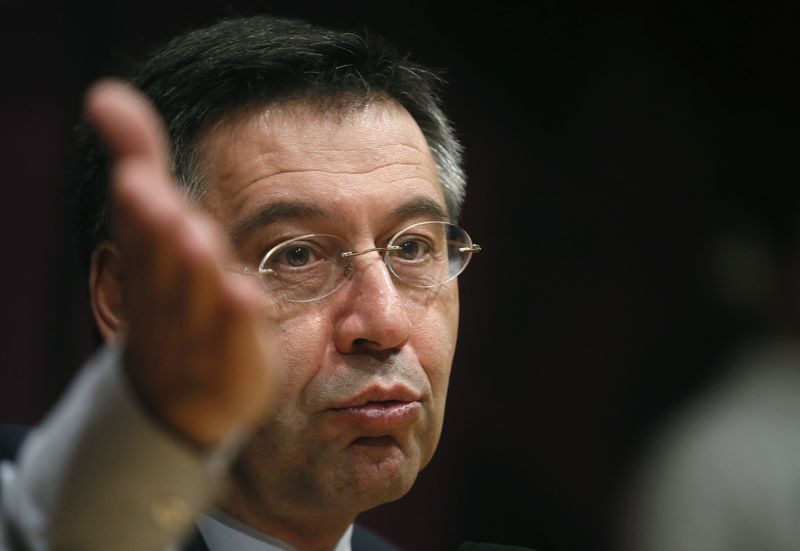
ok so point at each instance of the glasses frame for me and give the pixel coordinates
(349, 269)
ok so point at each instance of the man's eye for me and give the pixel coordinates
(297, 256)
(413, 249)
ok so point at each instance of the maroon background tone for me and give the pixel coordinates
(607, 150)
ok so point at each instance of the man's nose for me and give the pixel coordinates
(374, 316)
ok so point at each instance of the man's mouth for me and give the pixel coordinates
(381, 409)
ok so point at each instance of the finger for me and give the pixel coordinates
(144, 191)
(128, 123)
(143, 194)
(134, 134)
(175, 257)
(144, 209)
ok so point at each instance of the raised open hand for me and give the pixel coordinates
(195, 342)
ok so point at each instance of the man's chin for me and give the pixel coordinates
(380, 470)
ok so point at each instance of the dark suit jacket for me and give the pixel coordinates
(12, 436)
(364, 539)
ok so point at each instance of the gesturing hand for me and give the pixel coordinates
(195, 345)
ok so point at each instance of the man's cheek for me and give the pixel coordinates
(428, 438)
(434, 342)
(302, 348)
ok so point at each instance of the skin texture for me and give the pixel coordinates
(367, 173)
(208, 351)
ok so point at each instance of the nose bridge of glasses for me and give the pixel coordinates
(350, 266)
(388, 248)
(349, 255)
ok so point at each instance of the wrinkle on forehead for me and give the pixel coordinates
(278, 149)
(278, 132)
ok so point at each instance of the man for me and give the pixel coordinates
(300, 315)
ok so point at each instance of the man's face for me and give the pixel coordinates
(367, 367)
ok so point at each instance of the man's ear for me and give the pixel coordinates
(107, 291)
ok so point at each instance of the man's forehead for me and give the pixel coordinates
(295, 136)
(282, 125)
(299, 148)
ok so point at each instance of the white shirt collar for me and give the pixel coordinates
(222, 532)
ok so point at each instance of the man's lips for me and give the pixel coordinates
(379, 393)
(380, 409)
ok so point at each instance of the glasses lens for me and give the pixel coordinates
(305, 268)
(430, 253)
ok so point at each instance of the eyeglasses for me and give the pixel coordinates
(313, 266)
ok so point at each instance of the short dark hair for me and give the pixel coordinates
(204, 75)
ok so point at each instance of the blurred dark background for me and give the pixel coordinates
(633, 181)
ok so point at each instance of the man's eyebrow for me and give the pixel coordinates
(287, 210)
(275, 212)
(421, 206)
